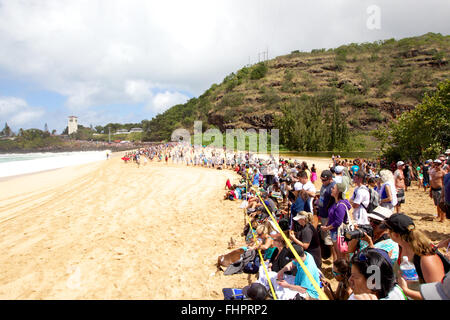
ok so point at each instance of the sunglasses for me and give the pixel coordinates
(336, 274)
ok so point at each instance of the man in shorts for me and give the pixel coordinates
(400, 185)
(436, 184)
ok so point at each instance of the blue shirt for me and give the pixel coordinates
(325, 200)
(354, 169)
(302, 280)
(256, 180)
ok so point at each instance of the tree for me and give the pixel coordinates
(6, 130)
(99, 129)
(422, 132)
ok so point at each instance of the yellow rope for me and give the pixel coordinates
(322, 295)
(263, 263)
(259, 251)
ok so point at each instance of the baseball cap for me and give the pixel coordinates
(447, 151)
(437, 290)
(255, 291)
(339, 169)
(326, 174)
(400, 163)
(437, 161)
(380, 213)
(341, 187)
(400, 223)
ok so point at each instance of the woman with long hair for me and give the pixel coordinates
(417, 247)
(388, 193)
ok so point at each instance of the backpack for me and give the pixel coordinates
(252, 267)
(233, 294)
(374, 200)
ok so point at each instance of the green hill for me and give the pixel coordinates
(370, 83)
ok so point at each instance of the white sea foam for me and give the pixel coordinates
(17, 164)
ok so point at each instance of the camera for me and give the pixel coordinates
(359, 233)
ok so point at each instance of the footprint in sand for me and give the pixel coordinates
(74, 280)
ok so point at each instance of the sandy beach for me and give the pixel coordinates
(110, 230)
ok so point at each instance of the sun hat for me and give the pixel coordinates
(255, 291)
(437, 290)
(380, 213)
(300, 215)
(400, 223)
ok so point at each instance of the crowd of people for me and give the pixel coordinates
(360, 230)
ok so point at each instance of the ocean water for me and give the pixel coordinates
(14, 164)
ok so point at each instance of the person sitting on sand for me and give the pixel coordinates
(341, 272)
(306, 236)
(302, 284)
(264, 241)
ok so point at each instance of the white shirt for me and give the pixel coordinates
(361, 196)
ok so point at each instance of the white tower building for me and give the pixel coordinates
(73, 124)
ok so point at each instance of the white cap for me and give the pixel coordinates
(448, 151)
(339, 169)
(400, 163)
(437, 161)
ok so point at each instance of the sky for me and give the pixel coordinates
(128, 60)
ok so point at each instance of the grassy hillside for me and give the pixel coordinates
(372, 83)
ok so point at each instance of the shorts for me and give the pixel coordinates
(400, 196)
(325, 235)
(436, 196)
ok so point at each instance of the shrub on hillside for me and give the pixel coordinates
(258, 71)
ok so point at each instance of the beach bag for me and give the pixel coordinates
(233, 294)
(341, 243)
(252, 267)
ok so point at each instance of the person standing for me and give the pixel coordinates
(436, 184)
(326, 200)
(360, 200)
(446, 190)
(400, 186)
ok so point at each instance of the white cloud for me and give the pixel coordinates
(163, 101)
(16, 112)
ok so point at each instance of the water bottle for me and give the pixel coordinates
(408, 270)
